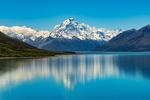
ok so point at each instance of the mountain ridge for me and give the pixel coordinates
(69, 31)
(130, 40)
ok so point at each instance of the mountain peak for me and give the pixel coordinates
(145, 28)
(71, 29)
(69, 21)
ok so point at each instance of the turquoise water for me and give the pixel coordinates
(78, 77)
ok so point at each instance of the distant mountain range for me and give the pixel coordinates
(70, 35)
(10, 47)
(130, 40)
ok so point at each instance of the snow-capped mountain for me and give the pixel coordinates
(26, 34)
(70, 35)
(70, 29)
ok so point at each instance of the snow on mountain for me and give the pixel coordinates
(74, 36)
(70, 35)
(70, 28)
(24, 33)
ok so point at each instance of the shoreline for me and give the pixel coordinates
(30, 57)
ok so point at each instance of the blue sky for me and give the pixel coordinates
(45, 14)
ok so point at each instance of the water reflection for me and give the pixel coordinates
(71, 70)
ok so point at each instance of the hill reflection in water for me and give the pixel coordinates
(71, 70)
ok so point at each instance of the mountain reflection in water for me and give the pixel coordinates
(71, 70)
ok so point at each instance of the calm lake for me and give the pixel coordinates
(110, 76)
